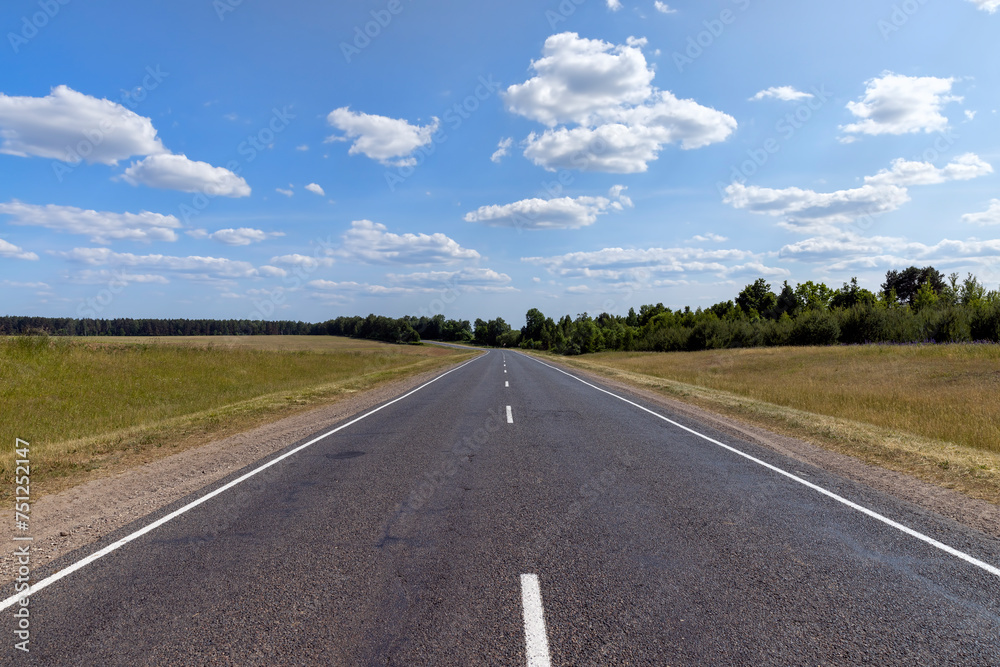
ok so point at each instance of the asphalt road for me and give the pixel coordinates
(404, 538)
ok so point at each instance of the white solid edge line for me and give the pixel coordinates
(535, 639)
(510, 416)
(972, 560)
(51, 579)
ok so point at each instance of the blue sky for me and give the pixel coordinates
(303, 160)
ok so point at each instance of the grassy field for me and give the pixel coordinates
(928, 410)
(90, 403)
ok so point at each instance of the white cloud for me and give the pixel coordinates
(191, 267)
(11, 251)
(642, 266)
(69, 126)
(560, 213)
(177, 172)
(100, 226)
(990, 6)
(20, 285)
(371, 243)
(897, 104)
(314, 188)
(970, 115)
(907, 173)
(615, 5)
(303, 147)
(287, 193)
(808, 208)
(390, 141)
(705, 238)
(432, 282)
(849, 251)
(236, 237)
(303, 261)
(663, 7)
(579, 79)
(472, 280)
(503, 149)
(104, 276)
(783, 93)
(822, 211)
(990, 216)
(605, 91)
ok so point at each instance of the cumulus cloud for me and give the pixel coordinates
(615, 5)
(372, 243)
(990, 216)
(503, 149)
(11, 251)
(69, 126)
(316, 189)
(191, 267)
(472, 279)
(783, 93)
(559, 213)
(643, 266)
(663, 7)
(100, 226)
(990, 6)
(177, 172)
(897, 104)
(307, 262)
(884, 192)
(808, 208)
(602, 111)
(287, 193)
(710, 237)
(849, 251)
(905, 172)
(104, 276)
(390, 141)
(236, 237)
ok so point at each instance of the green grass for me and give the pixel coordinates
(88, 403)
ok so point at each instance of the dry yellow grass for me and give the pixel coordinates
(928, 410)
(86, 404)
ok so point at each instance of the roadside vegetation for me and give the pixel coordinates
(90, 403)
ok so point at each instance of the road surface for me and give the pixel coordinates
(509, 514)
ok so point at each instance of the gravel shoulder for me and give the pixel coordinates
(74, 518)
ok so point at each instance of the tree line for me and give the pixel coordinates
(913, 305)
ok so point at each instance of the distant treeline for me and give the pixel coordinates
(373, 327)
(914, 305)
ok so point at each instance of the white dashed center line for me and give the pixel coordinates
(536, 641)
(506, 384)
(510, 416)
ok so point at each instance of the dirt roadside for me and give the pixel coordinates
(80, 516)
